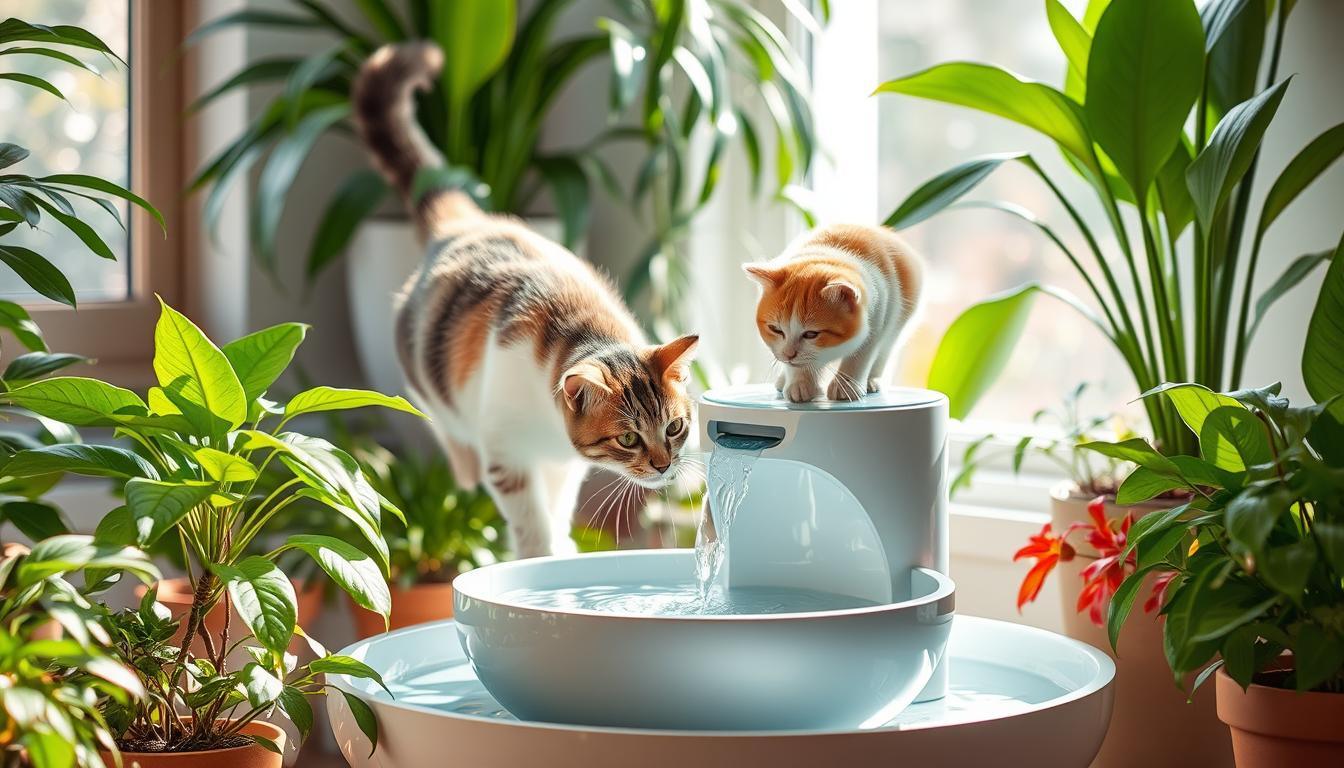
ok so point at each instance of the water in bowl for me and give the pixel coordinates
(684, 599)
(729, 473)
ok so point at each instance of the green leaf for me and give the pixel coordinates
(1144, 484)
(360, 195)
(977, 346)
(262, 687)
(1322, 363)
(1074, 41)
(1331, 536)
(1251, 515)
(78, 401)
(1193, 402)
(34, 519)
(1235, 45)
(40, 275)
(1143, 75)
(1288, 566)
(1232, 438)
(86, 234)
(1216, 171)
(35, 365)
(81, 459)
(1137, 451)
(259, 358)
(264, 598)
(569, 192)
(33, 81)
(225, 467)
(627, 63)
(1296, 272)
(1122, 602)
(158, 506)
(1238, 652)
(364, 718)
(108, 188)
(11, 154)
(249, 17)
(65, 554)
(349, 666)
(17, 321)
(278, 176)
(368, 525)
(475, 36)
(355, 572)
(1177, 207)
(1300, 172)
(999, 92)
(47, 748)
(191, 367)
(1153, 550)
(944, 189)
(297, 709)
(260, 71)
(320, 399)
(1317, 655)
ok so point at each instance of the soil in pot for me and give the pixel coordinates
(1150, 713)
(417, 604)
(240, 753)
(1274, 726)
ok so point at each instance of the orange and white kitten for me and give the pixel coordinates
(530, 366)
(840, 293)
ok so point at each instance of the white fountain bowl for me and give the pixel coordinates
(851, 668)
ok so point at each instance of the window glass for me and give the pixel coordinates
(89, 134)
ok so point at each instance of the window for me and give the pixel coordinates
(124, 126)
(882, 148)
(90, 134)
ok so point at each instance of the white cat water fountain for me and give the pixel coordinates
(825, 636)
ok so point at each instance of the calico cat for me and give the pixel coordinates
(840, 293)
(529, 365)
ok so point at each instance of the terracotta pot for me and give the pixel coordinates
(1151, 714)
(416, 605)
(1274, 727)
(176, 595)
(250, 756)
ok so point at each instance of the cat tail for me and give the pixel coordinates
(383, 100)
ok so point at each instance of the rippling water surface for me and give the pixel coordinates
(684, 599)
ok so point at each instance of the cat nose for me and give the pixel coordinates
(790, 354)
(660, 467)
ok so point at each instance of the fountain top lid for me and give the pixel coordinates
(765, 397)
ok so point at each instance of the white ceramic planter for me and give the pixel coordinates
(382, 256)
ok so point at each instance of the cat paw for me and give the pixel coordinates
(801, 390)
(779, 383)
(842, 390)
(874, 385)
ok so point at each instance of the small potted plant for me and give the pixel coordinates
(202, 437)
(1256, 592)
(52, 684)
(446, 529)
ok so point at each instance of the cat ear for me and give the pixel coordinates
(763, 273)
(842, 292)
(674, 358)
(578, 380)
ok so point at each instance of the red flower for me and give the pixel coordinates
(1048, 550)
(1102, 578)
(1159, 595)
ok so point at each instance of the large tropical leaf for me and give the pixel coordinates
(193, 370)
(1300, 172)
(358, 197)
(977, 346)
(1322, 362)
(78, 401)
(278, 176)
(264, 598)
(259, 358)
(40, 275)
(157, 506)
(475, 36)
(1216, 171)
(944, 189)
(999, 92)
(355, 572)
(1143, 76)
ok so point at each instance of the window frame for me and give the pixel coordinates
(120, 334)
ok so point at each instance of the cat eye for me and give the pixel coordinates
(675, 426)
(811, 334)
(627, 439)
(775, 330)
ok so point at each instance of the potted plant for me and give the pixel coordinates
(50, 717)
(446, 529)
(201, 438)
(505, 73)
(1256, 558)
(1163, 150)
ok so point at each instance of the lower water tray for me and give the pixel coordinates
(1017, 695)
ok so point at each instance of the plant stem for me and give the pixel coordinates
(199, 607)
